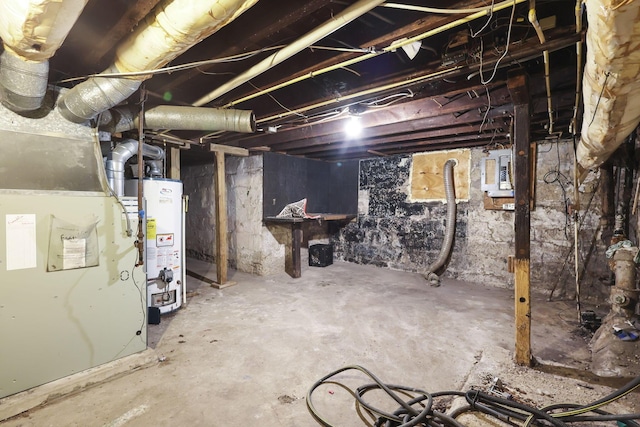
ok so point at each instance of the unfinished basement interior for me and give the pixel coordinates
(323, 212)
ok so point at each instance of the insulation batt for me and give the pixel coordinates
(34, 30)
(174, 27)
(611, 86)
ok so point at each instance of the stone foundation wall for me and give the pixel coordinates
(392, 232)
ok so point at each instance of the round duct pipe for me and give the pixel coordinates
(31, 32)
(119, 156)
(430, 274)
(23, 84)
(172, 28)
(93, 96)
(180, 118)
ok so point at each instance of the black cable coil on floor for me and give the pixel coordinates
(417, 407)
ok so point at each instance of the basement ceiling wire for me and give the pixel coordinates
(373, 53)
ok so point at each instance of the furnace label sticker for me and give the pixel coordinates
(21, 241)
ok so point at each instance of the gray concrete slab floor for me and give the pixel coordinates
(246, 355)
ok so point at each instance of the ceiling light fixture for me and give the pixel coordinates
(353, 127)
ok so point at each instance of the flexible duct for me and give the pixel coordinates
(449, 190)
(180, 118)
(31, 32)
(172, 28)
(611, 86)
(119, 156)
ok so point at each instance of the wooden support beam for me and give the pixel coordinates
(228, 149)
(296, 244)
(519, 90)
(222, 245)
(174, 163)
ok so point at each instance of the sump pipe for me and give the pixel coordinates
(179, 118)
(173, 27)
(119, 156)
(430, 274)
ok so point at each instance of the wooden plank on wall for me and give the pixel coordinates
(427, 181)
(519, 90)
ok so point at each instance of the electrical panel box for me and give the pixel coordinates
(496, 171)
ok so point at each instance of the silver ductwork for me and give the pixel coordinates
(122, 119)
(119, 156)
(155, 168)
(172, 28)
(31, 32)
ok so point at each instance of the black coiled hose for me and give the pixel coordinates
(419, 410)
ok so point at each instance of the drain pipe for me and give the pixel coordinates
(31, 32)
(340, 20)
(172, 28)
(430, 274)
(119, 156)
(122, 119)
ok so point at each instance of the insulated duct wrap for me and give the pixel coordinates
(181, 118)
(119, 156)
(31, 32)
(611, 86)
(172, 28)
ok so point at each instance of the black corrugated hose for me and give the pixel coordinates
(417, 407)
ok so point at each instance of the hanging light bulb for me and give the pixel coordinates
(353, 127)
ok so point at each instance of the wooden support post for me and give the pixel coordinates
(519, 90)
(174, 163)
(222, 246)
(296, 243)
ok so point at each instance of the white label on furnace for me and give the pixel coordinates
(21, 241)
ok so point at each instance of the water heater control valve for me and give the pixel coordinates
(166, 275)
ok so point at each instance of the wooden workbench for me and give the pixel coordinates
(297, 233)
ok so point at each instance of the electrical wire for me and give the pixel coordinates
(437, 10)
(196, 64)
(555, 176)
(419, 410)
(474, 35)
(506, 49)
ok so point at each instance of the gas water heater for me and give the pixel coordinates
(164, 212)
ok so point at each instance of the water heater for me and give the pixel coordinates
(164, 249)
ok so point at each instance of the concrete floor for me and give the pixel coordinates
(246, 355)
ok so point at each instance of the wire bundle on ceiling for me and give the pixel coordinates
(417, 407)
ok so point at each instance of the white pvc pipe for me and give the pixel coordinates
(349, 14)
